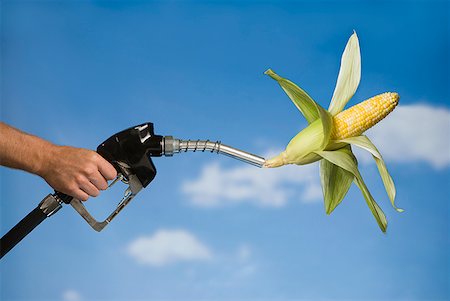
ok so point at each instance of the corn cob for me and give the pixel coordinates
(361, 117)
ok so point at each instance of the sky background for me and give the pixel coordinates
(208, 227)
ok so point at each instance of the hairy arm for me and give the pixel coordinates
(74, 171)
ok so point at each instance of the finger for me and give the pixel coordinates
(89, 188)
(106, 169)
(80, 194)
(99, 181)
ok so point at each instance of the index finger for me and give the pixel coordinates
(106, 169)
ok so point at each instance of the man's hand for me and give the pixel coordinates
(74, 171)
(77, 172)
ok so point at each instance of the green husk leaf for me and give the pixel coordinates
(315, 137)
(327, 123)
(336, 182)
(301, 99)
(349, 76)
(344, 159)
(365, 143)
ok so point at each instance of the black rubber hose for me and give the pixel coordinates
(22, 229)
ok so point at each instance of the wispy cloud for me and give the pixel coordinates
(415, 133)
(168, 246)
(71, 295)
(217, 185)
(231, 267)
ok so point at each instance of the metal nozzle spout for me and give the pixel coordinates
(171, 146)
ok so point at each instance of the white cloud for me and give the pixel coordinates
(168, 246)
(71, 295)
(415, 133)
(218, 185)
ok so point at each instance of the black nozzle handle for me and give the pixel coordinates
(132, 149)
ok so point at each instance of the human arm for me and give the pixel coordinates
(74, 171)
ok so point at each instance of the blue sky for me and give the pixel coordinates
(209, 228)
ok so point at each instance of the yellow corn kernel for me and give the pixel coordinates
(361, 117)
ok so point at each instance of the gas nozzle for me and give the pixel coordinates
(172, 146)
(130, 152)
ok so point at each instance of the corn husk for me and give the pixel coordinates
(344, 158)
(349, 76)
(301, 99)
(338, 165)
(336, 182)
(365, 143)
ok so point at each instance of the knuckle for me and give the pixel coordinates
(72, 188)
(79, 178)
(93, 156)
(90, 170)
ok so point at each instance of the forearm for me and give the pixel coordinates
(23, 151)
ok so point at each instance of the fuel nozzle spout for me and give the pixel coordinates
(172, 146)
